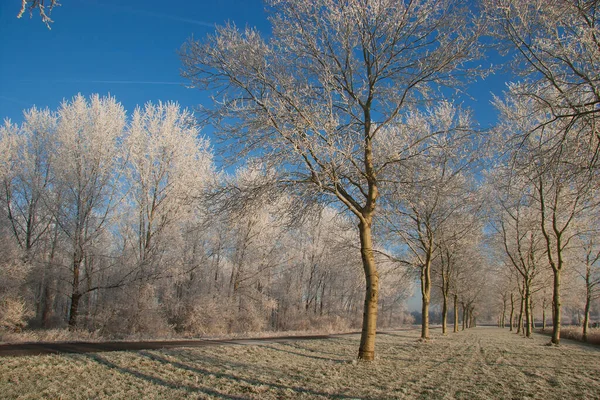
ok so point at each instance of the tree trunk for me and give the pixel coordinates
(455, 312)
(425, 297)
(544, 315)
(48, 300)
(586, 317)
(520, 318)
(366, 350)
(444, 313)
(512, 311)
(503, 319)
(556, 309)
(527, 310)
(531, 314)
(75, 295)
(588, 299)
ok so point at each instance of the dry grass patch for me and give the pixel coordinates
(481, 363)
(575, 333)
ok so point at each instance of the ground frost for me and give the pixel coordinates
(480, 363)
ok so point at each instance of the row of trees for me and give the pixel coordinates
(350, 106)
(107, 224)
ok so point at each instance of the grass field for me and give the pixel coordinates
(481, 363)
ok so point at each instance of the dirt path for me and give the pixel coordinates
(33, 349)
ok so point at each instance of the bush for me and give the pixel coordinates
(13, 314)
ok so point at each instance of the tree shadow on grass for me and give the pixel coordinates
(234, 378)
(400, 335)
(301, 348)
(158, 381)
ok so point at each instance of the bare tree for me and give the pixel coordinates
(314, 98)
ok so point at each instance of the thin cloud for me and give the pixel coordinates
(157, 15)
(15, 101)
(125, 82)
(110, 82)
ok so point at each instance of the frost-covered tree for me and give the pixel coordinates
(314, 97)
(26, 183)
(516, 223)
(168, 167)
(27, 176)
(457, 241)
(546, 163)
(430, 187)
(556, 48)
(87, 169)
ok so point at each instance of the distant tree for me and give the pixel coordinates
(547, 164)
(44, 8)
(316, 96)
(590, 274)
(425, 192)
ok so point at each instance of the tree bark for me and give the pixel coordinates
(527, 310)
(444, 313)
(586, 318)
(455, 312)
(556, 309)
(75, 294)
(503, 318)
(588, 300)
(520, 318)
(544, 315)
(512, 311)
(425, 297)
(366, 350)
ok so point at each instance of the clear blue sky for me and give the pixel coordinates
(125, 48)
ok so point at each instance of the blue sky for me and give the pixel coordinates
(125, 48)
(128, 49)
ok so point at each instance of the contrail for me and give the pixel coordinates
(123, 82)
(16, 101)
(156, 15)
(111, 82)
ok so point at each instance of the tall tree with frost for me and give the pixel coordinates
(86, 175)
(25, 187)
(314, 97)
(28, 176)
(169, 166)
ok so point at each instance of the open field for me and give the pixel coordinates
(480, 363)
